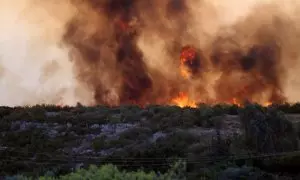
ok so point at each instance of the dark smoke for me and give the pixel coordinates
(254, 72)
(249, 75)
(110, 62)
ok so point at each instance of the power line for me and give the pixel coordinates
(149, 160)
(84, 156)
(26, 161)
(251, 155)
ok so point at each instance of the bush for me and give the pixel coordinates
(104, 173)
(268, 130)
(136, 133)
(99, 143)
(288, 108)
(290, 163)
(110, 172)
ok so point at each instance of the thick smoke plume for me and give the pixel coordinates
(149, 52)
(34, 64)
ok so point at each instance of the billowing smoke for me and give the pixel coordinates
(148, 52)
(34, 64)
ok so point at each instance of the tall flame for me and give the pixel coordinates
(187, 56)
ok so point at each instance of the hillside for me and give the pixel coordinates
(210, 140)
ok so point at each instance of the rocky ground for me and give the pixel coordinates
(96, 134)
(68, 138)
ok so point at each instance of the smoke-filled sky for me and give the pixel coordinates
(141, 52)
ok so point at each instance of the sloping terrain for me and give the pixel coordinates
(35, 140)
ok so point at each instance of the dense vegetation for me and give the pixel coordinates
(110, 172)
(214, 141)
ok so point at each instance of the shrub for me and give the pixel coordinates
(203, 115)
(110, 172)
(268, 130)
(288, 108)
(98, 143)
(19, 114)
(230, 109)
(188, 118)
(165, 110)
(287, 163)
(4, 111)
(136, 133)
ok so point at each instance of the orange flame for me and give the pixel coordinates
(266, 104)
(236, 102)
(188, 53)
(182, 100)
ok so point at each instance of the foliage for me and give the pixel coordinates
(268, 130)
(111, 172)
(287, 163)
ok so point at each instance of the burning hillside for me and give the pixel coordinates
(179, 52)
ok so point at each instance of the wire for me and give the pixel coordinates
(88, 157)
(144, 161)
(199, 160)
(241, 156)
(25, 161)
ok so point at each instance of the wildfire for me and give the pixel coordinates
(189, 60)
(227, 68)
(182, 100)
(238, 103)
(187, 56)
(235, 102)
(266, 104)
